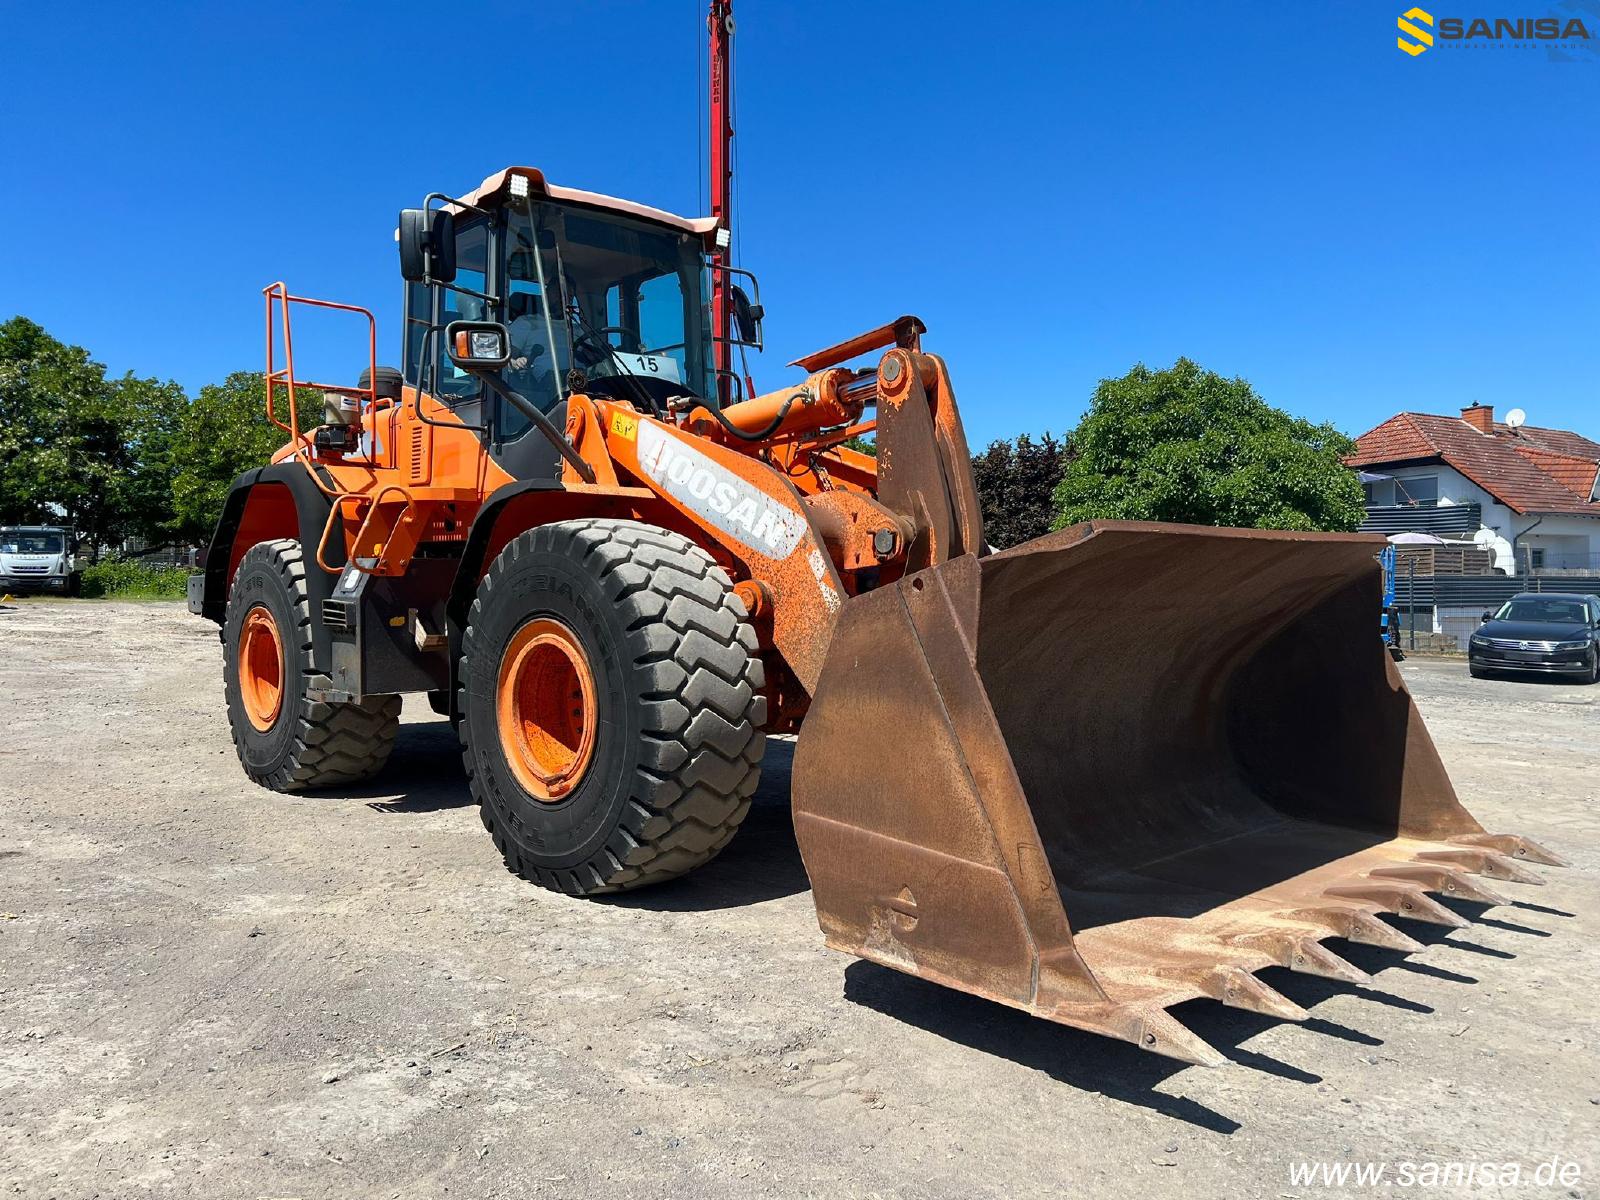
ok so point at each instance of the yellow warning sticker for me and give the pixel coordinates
(624, 426)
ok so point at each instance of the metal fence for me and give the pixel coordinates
(1457, 623)
(1452, 606)
(1555, 563)
(161, 555)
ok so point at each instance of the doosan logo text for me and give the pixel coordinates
(708, 488)
(1417, 30)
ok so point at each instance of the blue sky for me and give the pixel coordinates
(1059, 190)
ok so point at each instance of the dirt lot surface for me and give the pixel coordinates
(209, 990)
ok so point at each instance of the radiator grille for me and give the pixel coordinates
(339, 614)
(417, 453)
(1518, 644)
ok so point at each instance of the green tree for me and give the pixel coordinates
(61, 447)
(1015, 483)
(1186, 444)
(150, 416)
(224, 432)
(75, 447)
(124, 457)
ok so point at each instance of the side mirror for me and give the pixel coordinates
(746, 317)
(477, 345)
(427, 245)
(1487, 617)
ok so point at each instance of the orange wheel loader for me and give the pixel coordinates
(568, 521)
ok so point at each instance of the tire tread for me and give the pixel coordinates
(335, 743)
(695, 672)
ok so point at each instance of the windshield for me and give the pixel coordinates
(634, 293)
(17, 541)
(1542, 610)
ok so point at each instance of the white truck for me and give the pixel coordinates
(38, 558)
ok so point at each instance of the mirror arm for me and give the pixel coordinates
(546, 426)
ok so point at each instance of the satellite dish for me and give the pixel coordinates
(1515, 418)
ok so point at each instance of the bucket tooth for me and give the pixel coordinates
(1402, 899)
(1512, 845)
(1356, 924)
(1310, 957)
(1367, 930)
(1501, 866)
(1238, 988)
(1159, 1032)
(1489, 863)
(1446, 881)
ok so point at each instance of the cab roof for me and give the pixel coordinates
(491, 188)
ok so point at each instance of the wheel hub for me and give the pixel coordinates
(546, 709)
(261, 668)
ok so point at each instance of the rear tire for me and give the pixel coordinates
(642, 630)
(300, 743)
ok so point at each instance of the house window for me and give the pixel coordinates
(1535, 558)
(1424, 490)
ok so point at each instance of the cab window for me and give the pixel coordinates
(536, 321)
(449, 382)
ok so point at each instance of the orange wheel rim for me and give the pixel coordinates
(261, 668)
(545, 706)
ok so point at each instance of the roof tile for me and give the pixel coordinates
(1575, 474)
(1529, 469)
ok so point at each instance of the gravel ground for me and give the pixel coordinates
(210, 990)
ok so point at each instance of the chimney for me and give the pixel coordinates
(1479, 416)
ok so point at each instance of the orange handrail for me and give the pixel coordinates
(376, 500)
(278, 294)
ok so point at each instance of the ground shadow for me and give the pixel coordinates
(1529, 906)
(1310, 990)
(1536, 678)
(1122, 1071)
(1430, 934)
(423, 774)
(1090, 1062)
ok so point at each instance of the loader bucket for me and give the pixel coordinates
(1128, 765)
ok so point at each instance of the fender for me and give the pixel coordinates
(547, 500)
(306, 522)
(475, 554)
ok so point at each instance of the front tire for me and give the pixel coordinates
(611, 706)
(287, 741)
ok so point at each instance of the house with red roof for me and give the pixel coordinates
(1532, 495)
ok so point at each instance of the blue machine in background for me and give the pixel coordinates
(1389, 618)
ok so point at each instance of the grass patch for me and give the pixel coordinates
(130, 579)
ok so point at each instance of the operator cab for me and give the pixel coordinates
(594, 293)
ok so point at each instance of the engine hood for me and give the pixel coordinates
(1531, 631)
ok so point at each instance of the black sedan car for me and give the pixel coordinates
(1551, 633)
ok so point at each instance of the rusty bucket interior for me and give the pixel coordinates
(1128, 765)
